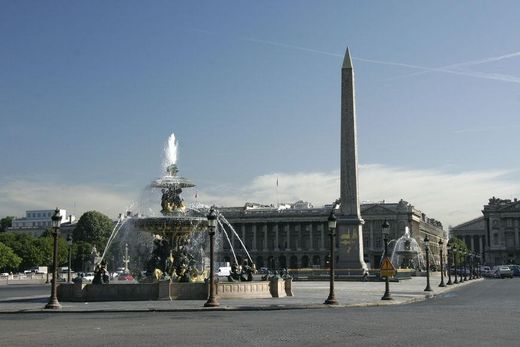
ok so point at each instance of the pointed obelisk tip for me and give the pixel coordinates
(347, 61)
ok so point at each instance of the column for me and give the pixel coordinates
(472, 243)
(287, 229)
(232, 239)
(264, 227)
(480, 243)
(371, 233)
(515, 223)
(243, 234)
(311, 246)
(298, 230)
(276, 238)
(253, 229)
(322, 236)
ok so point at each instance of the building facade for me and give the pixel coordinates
(298, 237)
(495, 235)
(36, 222)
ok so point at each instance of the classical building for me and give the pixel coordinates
(295, 237)
(36, 222)
(495, 235)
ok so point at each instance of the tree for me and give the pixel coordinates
(461, 247)
(46, 245)
(5, 223)
(95, 228)
(26, 247)
(8, 259)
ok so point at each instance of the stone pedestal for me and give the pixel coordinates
(288, 287)
(277, 287)
(350, 252)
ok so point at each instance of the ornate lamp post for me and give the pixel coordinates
(331, 300)
(212, 225)
(449, 255)
(385, 230)
(478, 266)
(69, 242)
(470, 265)
(455, 253)
(465, 265)
(442, 264)
(427, 248)
(53, 300)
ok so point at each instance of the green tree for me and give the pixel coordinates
(8, 259)
(46, 245)
(95, 228)
(5, 223)
(81, 255)
(26, 247)
(461, 247)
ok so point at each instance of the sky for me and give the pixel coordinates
(90, 91)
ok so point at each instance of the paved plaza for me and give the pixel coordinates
(307, 295)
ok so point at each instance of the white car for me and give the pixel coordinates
(89, 276)
(503, 271)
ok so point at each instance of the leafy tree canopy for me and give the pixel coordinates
(8, 259)
(5, 223)
(95, 228)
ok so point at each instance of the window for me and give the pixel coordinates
(495, 238)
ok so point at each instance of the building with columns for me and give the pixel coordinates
(297, 236)
(496, 234)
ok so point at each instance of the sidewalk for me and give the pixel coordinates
(307, 295)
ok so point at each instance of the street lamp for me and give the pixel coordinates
(53, 300)
(331, 300)
(69, 242)
(212, 225)
(385, 230)
(455, 252)
(427, 248)
(478, 266)
(470, 265)
(465, 266)
(442, 264)
(449, 255)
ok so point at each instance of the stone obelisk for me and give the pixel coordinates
(350, 223)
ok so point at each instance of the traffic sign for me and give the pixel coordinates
(387, 268)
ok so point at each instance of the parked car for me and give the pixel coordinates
(503, 271)
(515, 269)
(89, 276)
(485, 271)
(125, 277)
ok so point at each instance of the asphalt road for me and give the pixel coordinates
(483, 314)
(23, 290)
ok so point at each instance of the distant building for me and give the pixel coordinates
(36, 222)
(496, 234)
(297, 235)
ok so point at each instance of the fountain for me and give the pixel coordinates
(177, 268)
(407, 254)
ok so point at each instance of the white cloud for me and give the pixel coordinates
(17, 196)
(450, 198)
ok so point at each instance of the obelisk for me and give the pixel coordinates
(349, 223)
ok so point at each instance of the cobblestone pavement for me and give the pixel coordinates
(307, 295)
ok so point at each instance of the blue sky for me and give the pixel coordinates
(90, 92)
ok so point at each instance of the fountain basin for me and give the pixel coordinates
(182, 224)
(164, 290)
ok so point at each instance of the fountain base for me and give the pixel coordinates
(164, 290)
